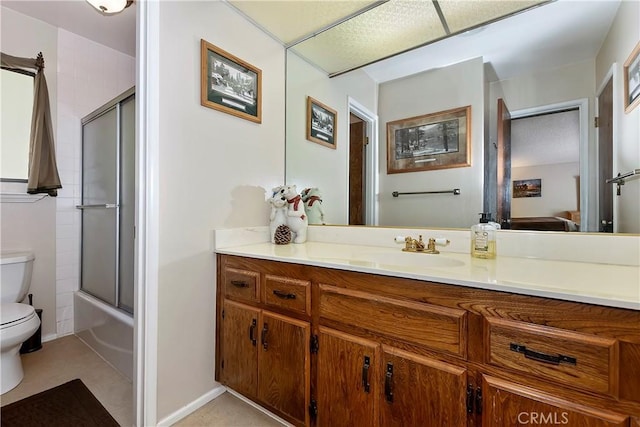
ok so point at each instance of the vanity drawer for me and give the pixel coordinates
(435, 327)
(241, 284)
(290, 294)
(580, 360)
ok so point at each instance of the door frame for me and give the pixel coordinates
(370, 119)
(145, 329)
(612, 74)
(586, 153)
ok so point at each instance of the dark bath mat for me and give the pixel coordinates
(69, 404)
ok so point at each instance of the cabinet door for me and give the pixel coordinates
(418, 391)
(283, 365)
(347, 388)
(506, 404)
(239, 365)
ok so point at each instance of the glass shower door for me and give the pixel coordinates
(100, 182)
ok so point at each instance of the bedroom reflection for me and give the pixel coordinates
(545, 167)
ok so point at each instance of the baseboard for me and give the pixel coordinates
(190, 408)
(49, 337)
(260, 408)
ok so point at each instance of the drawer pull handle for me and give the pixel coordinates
(239, 283)
(263, 338)
(365, 374)
(542, 357)
(283, 294)
(252, 330)
(388, 383)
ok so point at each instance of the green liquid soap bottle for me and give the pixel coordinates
(483, 238)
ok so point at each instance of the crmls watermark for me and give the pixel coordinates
(543, 418)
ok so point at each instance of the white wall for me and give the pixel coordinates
(314, 165)
(623, 36)
(559, 190)
(429, 92)
(33, 225)
(89, 75)
(215, 170)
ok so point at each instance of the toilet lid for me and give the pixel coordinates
(14, 313)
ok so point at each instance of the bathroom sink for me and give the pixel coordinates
(409, 259)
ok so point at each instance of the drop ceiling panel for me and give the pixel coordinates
(290, 21)
(461, 15)
(390, 28)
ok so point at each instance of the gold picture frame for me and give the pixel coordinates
(229, 84)
(432, 141)
(631, 72)
(322, 123)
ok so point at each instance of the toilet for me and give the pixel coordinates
(19, 321)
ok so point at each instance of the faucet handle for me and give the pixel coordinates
(400, 239)
(441, 241)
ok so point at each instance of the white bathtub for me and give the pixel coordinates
(107, 330)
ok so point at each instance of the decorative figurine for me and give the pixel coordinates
(312, 199)
(296, 215)
(280, 231)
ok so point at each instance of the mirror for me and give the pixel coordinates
(561, 65)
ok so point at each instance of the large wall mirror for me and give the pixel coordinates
(547, 71)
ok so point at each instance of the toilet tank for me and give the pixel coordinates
(15, 275)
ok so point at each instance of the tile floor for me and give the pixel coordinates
(67, 358)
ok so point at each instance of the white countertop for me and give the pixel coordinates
(595, 283)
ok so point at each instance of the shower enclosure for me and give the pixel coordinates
(103, 308)
(108, 150)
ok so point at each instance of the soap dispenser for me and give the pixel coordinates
(483, 238)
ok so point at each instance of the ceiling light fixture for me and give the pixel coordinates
(109, 7)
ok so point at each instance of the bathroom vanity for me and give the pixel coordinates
(319, 341)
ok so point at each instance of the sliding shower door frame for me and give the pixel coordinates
(115, 104)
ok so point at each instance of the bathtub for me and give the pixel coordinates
(106, 329)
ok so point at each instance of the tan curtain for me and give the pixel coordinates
(43, 171)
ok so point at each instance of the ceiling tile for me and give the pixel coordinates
(390, 28)
(290, 21)
(464, 14)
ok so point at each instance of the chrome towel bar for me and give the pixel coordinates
(455, 191)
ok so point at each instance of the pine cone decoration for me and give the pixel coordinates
(282, 236)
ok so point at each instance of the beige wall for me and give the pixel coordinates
(429, 92)
(214, 171)
(623, 36)
(559, 190)
(32, 226)
(314, 165)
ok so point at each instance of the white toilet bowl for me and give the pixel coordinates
(19, 322)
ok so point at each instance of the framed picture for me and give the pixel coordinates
(230, 84)
(527, 188)
(631, 72)
(434, 141)
(322, 123)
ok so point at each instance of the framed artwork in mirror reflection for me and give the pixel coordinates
(432, 141)
(322, 123)
(229, 84)
(631, 71)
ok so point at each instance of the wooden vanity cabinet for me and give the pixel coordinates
(356, 349)
(507, 404)
(262, 354)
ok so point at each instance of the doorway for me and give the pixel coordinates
(363, 165)
(577, 183)
(604, 123)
